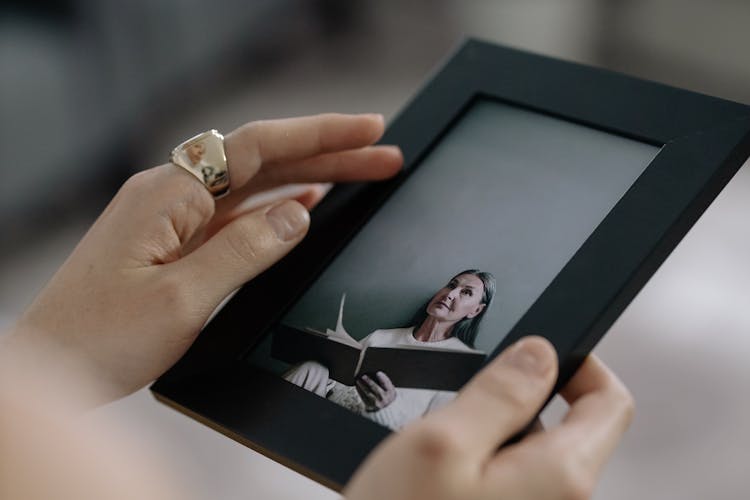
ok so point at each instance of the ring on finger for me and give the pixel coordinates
(204, 157)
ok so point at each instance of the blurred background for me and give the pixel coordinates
(92, 91)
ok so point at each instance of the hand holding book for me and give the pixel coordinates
(376, 391)
(347, 360)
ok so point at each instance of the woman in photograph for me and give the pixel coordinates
(449, 321)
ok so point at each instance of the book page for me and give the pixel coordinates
(428, 348)
(340, 334)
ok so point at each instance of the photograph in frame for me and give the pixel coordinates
(504, 201)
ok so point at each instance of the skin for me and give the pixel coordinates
(460, 298)
(453, 453)
(376, 392)
(130, 284)
(137, 289)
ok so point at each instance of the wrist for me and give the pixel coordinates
(47, 368)
(378, 407)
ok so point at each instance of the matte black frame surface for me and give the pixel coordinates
(705, 140)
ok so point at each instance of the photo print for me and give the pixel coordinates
(435, 280)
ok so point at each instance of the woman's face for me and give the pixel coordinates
(195, 152)
(460, 298)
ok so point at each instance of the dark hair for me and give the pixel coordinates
(466, 329)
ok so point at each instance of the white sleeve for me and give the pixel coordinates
(440, 399)
(365, 342)
(311, 376)
(406, 409)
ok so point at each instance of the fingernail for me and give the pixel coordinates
(531, 355)
(393, 149)
(377, 116)
(288, 220)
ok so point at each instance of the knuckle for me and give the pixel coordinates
(197, 197)
(573, 475)
(175, 297)
(621, 403)
(250, 129)
(172, 190)
(435, 443)
(251, 145)
(245, 243)
(139, 182)
(627, 405)
(574, 480)
(255, 125)
(503, 386)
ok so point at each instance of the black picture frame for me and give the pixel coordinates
(704, 140)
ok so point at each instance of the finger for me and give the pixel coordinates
(536, 426)
(304, 193)
(570, 456)
(374, 388)
(155, 213)
(272, 141)
(601, 409)
(364, 392)
(243, 249)
(368, 163)
(308, 195)
(313, 195)
(384, 381)
(500, 400)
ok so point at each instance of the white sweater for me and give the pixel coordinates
(410, 404)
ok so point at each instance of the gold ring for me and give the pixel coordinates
(204, 157)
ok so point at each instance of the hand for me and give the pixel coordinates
(453, 453)
(375, 394)
(140, 285)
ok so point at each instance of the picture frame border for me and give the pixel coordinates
(703, 140)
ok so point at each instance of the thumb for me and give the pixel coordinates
(244, 248)
(502, 398)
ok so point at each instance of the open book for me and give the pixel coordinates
(346, 359)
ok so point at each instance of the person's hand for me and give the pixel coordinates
(140, 285)
(453, 452)
(375, 394)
